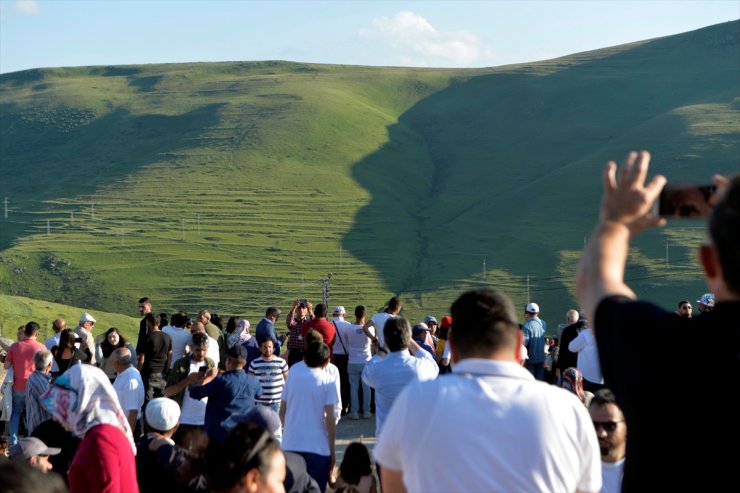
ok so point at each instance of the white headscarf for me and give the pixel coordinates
(240, 335)
(82, 397)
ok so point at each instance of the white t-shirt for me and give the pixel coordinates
(611, 476)
(130, 390)
(588, 355)
(50, 343)
(180, 339)
(341, 326)
(212, 351)
(503, 431)
(307, 392)
(193, 412)
(379, 320)
(358, 345)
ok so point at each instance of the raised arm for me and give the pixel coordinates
(626, 211)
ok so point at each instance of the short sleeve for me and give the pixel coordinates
(388, 451)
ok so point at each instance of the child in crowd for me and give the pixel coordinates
(356, 471)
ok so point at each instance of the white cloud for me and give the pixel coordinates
(417, 43)
(27, 7)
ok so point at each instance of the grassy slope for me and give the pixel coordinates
(238, 185)
(17, 310)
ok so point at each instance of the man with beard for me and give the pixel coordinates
(611, 430)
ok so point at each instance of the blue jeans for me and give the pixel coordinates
(355, 384)
(317, 467)
(19, 403)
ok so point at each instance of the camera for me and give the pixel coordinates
(684, 200)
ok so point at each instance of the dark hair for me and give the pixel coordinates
(164, 318)
(443, 332)
(724, 229)
(231, 324)
(320, 310)
(217, 321)
(355, 463)
(313, 336)
(682, 302)
(20, 477)
(145, 300)
(31, 328)
(107, 347)
(247, 446)
(200, 339)
(485, 321)
(179, 319)
(360, 311)
(317, 354)
(397, 332)
(604, 396)
(153, 319)
(66, 339)
(393, 304)
(272, 311)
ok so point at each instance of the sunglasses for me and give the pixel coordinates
(608, 426)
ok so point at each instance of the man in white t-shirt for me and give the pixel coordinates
(611, 430)
(359, 347)
(377, 322)
(502, 429)
(179, 336)
(213, 349)
(307, 413)
(129, 387)
(57, 326)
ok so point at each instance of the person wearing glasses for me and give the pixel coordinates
(611, 430)
(643, 380)
(684, 309)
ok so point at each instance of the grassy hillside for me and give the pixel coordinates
(239, 185)
(16, 311)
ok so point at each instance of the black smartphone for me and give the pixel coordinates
(683, 200)
(202, 369)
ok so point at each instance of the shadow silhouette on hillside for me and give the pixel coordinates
(512, 173)
(66, 153)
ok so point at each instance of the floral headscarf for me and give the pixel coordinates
(573, 381)
(240, 335)
(83, 397)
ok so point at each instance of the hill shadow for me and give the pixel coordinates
(54, 154)
(508, 164)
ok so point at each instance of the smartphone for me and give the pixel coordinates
(202, 369)
(683, 200)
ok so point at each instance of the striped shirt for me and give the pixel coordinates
(36, 413)
(270, 375)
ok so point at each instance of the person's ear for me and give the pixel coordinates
(252, 481)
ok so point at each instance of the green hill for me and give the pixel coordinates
(238, 185)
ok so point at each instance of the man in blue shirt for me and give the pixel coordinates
(534, 340)
(266, 329)
(229, 393)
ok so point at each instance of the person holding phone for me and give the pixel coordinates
(634, 365)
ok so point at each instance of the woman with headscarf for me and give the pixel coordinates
(84, 402)
(573, 381)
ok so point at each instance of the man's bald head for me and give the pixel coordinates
(59, 325)
(198, 327)
(572, 316)
(121, 358)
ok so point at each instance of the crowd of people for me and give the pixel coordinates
(475, 402)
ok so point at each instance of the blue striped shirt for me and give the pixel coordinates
(36, 413)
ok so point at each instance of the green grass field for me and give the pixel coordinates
(234, 186)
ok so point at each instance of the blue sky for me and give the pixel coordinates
(53, 33)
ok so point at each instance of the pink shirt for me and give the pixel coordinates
(20, 355)
(104, 463)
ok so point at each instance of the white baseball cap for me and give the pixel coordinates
(339, 309)
(86, 317)
(532, 308)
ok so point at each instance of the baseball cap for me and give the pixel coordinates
(86, 317)
(429, 319)
(260, 415)
(418, 328)
(706, 299)
(162, 413)
(28, 447)
(339, 309)
(446, 321)
(237, 351)
(532, 308)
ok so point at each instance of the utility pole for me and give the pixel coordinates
(92, 211)
(325, 282)
(484, 268)
(48, 228)
(6, 207)
(72, 217)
